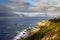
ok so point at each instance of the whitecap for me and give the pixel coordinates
(22, 34)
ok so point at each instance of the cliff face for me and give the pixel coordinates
(52, 35)
(47, 32)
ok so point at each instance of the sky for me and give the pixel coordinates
(31, 6)
(2, 2)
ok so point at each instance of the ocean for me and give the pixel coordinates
(9, 27)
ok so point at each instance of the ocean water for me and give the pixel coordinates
(9, 29)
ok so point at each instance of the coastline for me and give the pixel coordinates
(26, 33)
(39, 30)
(30, 31)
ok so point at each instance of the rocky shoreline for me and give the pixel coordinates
(26, 33)
(39, 30)
(30, 31)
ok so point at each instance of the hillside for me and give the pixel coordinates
(49, 30)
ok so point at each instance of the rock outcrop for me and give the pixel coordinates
(43, 23)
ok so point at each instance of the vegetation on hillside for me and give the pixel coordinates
(51, 32)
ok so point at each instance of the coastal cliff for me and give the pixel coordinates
(49, 30)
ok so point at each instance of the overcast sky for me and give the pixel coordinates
(17, 6)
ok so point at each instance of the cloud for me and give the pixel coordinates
(24, 6)
(18, 5)
(5, 11)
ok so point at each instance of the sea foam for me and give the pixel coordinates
(20, 35)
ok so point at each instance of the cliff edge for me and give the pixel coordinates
(49, 30)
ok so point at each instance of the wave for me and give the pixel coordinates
(20, 35)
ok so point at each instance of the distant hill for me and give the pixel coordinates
(7, 14)
(12, 14)
(23, 15)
